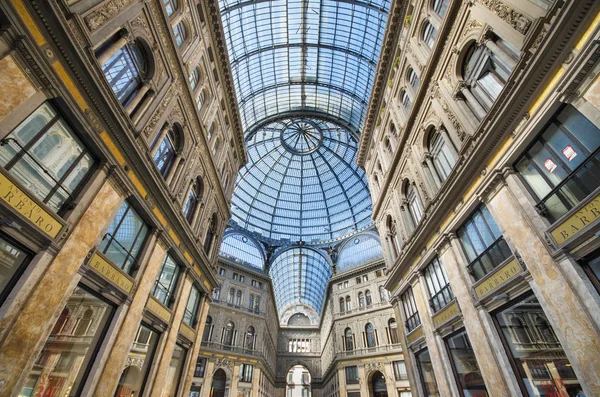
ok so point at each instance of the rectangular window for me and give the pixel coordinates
(400, 370)
(591, 266)
(46, 157)
(365, 277)
(65, 360)
(354, 394)
(13, 261)
(352, 375)
(464, 363)
(358, 280)
(124, 238)
(425, 368)
(540, 361)
(410, 310)
(222, 272)
(133, 378)
(175, 369)
(191, 309)
(241, 279)
(437, 284)
(166, 281)
(483, 243)
(246, 371)
(235, 276)
(562, 167)
(200, 367)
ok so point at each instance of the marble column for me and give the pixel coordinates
(341, 374)
(208, 378)
(202, 313)
(139, 95)
(126, 334)
(161, 135)
(27, 335)
(112, 50)
(473, 103)
(567, 314)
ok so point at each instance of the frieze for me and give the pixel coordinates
(103, 14)
(454, 120)
(158, 113)
(515, 19)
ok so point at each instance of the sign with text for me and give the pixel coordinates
(158, 309)
(415, 335)
(497, 278)
(188, 332)
(111, 272)
(446, 314)
(578, 222)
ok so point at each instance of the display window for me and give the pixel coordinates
(13, 260)
(465, 367)
(175, 369)
(63, 364)
(591, 266)
(425, 367)
(538, 357)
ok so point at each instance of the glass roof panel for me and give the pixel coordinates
(241, 249)
(360, 250)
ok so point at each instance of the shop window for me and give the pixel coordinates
(166, 282)
(464, 364)
(124, 238)
(425, 367)
(46, 157)
(193, 200)
(61, 367)
(126, 68)
(440, 7)
(165, 155)
(200, 368)
(246, 371)
(370, 335)
(180, 33)
(439, 289)
(191, 308)
(592, 268)
(411, 314)
(13, 263)
(133, 378)
(352, 375)
(208, 327)
(348, 339)
(400, 370)
(562, 167)
(538, 356)
(442, 157)
(483, 244)
(175, 370)
(170, 6)
(429, 35)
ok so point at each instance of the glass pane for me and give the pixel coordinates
(426, 372)
(131, 383)
(539, 357)
(11, 261)
(468, 375)
(69, 350)
(173, 378)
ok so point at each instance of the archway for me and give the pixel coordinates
(219, 384)
(298, 382)
(377, 386)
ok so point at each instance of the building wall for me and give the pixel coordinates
(544, 60)
(58, 109)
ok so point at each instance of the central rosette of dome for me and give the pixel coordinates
(302, 137)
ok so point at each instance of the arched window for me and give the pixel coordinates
(180, 33)
(251, 302)
(406, 101)
(440, 7)
(200, 100)
(382, 294)
(257, 304)
(388, 145)
(238, 298)
(392, 236)
(342, 305)
(62, 320)
(211, 131)
(519, 331)
(84, 323)
(368, 298)
(486, 71)
(441, 155)
(250, 338)
(165, 155)
(370, 333)
(216, 146)
(231, 296)
(393, 327)
(361, 299)
(414, 204)
(210, 234)
(429, 35)
(193, 200)
(170, 6)
(206, 335)
(194, 78)
(348, 304)
(413, 79)
(228, 335)
(348, 338)
(125, 68)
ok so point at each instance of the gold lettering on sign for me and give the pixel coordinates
(188, 332)
(157, 308)
(498, 278)
(577, 222)
(446, 314)
(17, 199)
(111, 272)
(415, 335)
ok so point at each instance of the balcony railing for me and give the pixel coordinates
(362, 308)
(239, 307)
(233, 349)
(369, 350)
(412, 322)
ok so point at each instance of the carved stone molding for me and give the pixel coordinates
(103, 14)
(515, 19)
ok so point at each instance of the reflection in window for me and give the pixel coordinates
(411, 313)
(406, 101)
(191, 204)
(400, 370)
(228, 334)
(175, 370)
(465, 365)
(440, 7)
(170, 6)
(250, 338)
(562, 167)
(194, 78)
(46, 157)
(180, 33)
(124, 238)
(208, 327)
(483, 243)
(191, 308)
(352, 375)
(133, 377)
(537, 354)
(429, 35)
(437, 284)
(414, 204)
(60, 366)
(166, 281)
(425, 367)
(443, 158)
(12, 264)
(125, 71)
(166, 153)
(413, 79)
